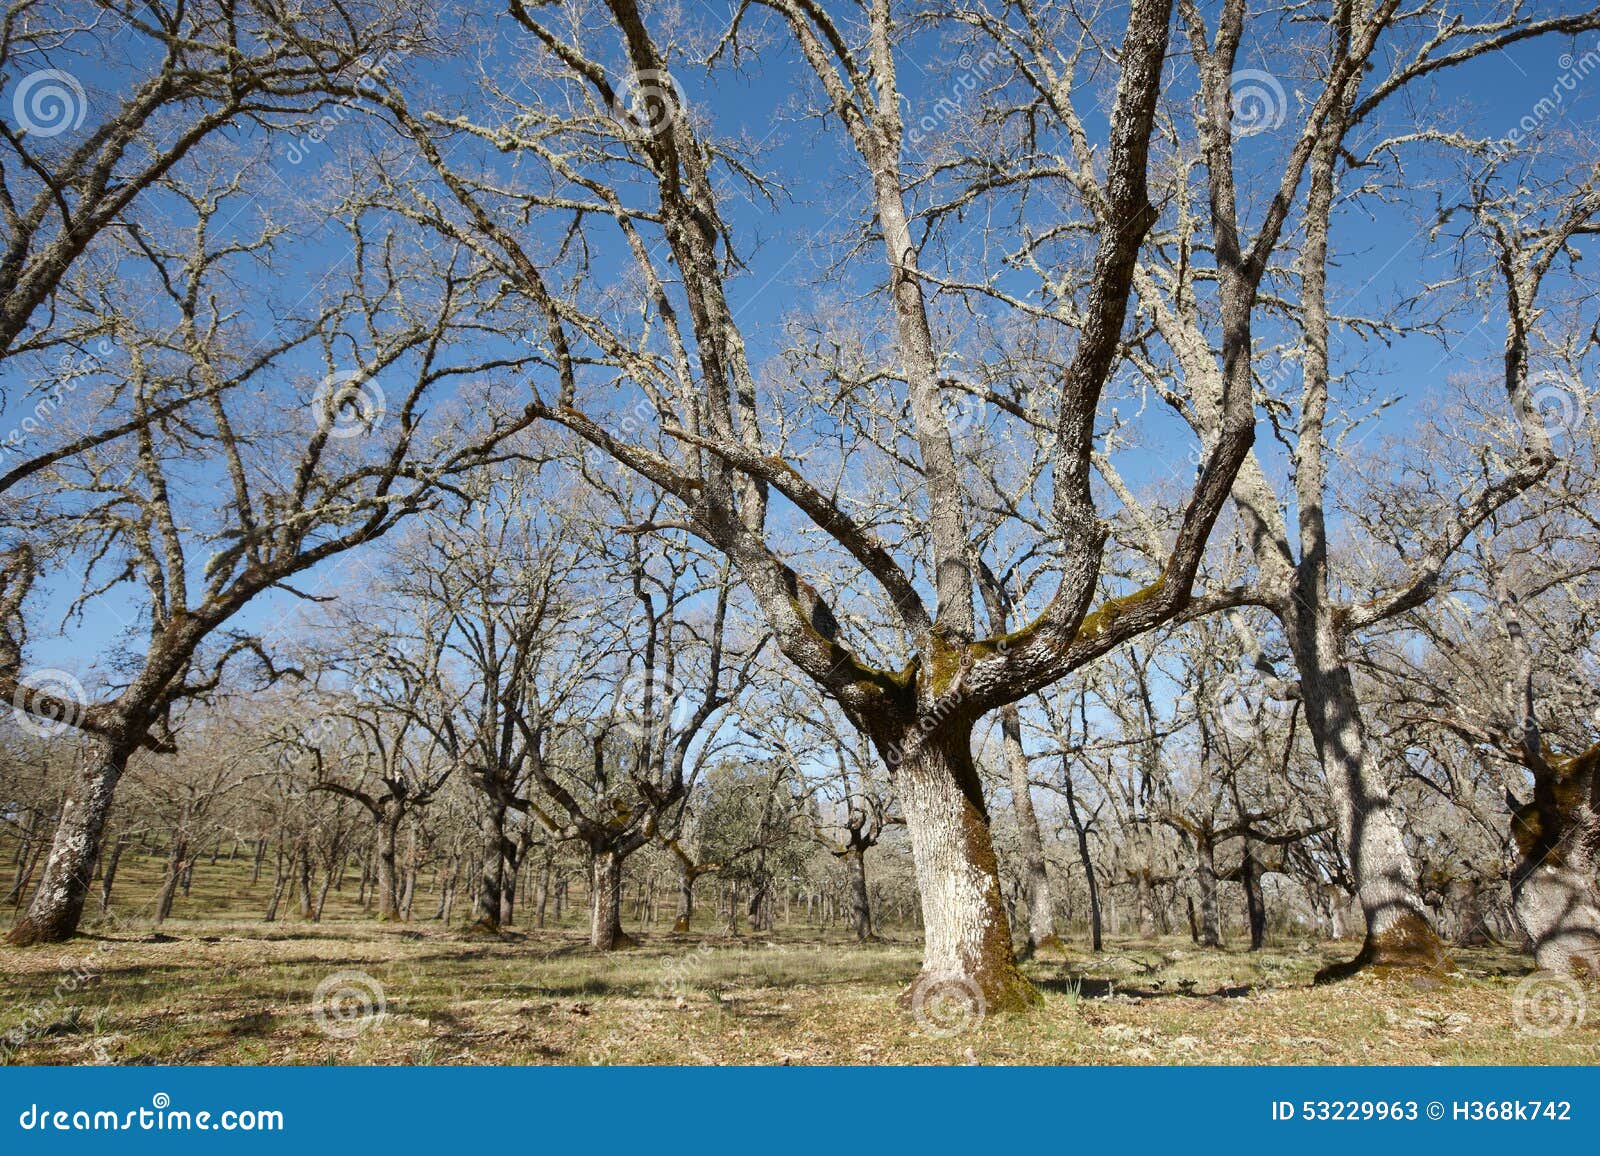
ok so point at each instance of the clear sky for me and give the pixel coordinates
(1382, 254)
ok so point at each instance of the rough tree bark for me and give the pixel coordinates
(1399, 933)
(860, 900)
(1554, 888)
(967, 939)
(605, 902)
(57, 906)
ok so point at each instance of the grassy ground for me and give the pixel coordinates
(227, 989)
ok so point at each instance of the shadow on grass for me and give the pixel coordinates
(1087, 987)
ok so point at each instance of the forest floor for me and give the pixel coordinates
(226, 989)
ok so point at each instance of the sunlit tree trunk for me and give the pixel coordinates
(605, 902)
(1398, 930)
(1554, 889)
(967, 939)
(57, 905)
(388, 876)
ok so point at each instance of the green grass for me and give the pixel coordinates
(219, 986)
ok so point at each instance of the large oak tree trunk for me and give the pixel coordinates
(57, 905)
(605, 902)
(1399, 933)
(966, 938)
(1554, 888)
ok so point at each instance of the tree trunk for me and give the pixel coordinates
(280, 883)
(1035, 879)
(966, 939)
(1553, 889)
(29, 849)
(1255, 903)
(1399, 933)
(605, 902)
(685, 918)
(1082, 830)
(388, 876)
(304, 867)
(328, 878)
(57, 905)
(860, 901)
(541, 892)
(109, 878)
(508, 893)
(1206, 876)
(1145, 900)
(177, 861)
(447, 891)
(491, 872)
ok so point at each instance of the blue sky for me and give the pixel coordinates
(1382, 255)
